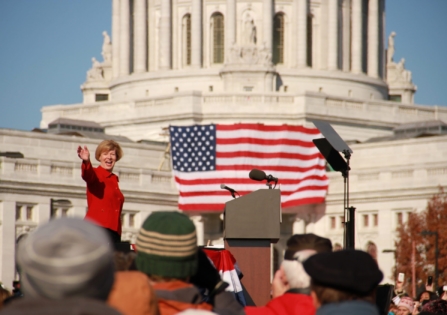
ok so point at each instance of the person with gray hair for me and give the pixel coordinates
(66, 267)
(291, 283)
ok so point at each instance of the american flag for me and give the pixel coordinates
(206, 156)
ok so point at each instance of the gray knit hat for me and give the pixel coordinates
(167, 246)
(64, 258)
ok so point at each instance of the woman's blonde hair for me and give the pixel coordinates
(108, 145)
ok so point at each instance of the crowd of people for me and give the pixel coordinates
(75, 266)
(70, 266)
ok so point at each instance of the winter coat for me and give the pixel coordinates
(348, 307)
(70, 306)
(132, 294)
(286, 304)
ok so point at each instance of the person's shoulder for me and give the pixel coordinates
(28, 306)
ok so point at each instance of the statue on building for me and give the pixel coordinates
(101, 72)
(106, 48)
(390, 52)
(96, 72)
(249, 31)
(398, 78)
(405, 74)
(249, 55)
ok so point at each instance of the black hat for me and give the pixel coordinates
(299, 242)
(354, 271)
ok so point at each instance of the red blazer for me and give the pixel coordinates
(104, 197)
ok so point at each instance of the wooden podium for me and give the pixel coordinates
(251, 224)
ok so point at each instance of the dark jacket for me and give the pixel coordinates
(348, 307)
(71, 306)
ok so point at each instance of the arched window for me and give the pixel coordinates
(371, 249)
(186, 39)
(218, 37)
(278, 38)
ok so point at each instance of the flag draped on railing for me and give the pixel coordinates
(206, 156)
(228, 269)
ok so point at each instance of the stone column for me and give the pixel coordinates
(346, 29)
(200, 228)
(301, 48)
(165, 35)
(140, 36)
(299, 226)
(7, 241)
(268, 23)
(196, 34)
(124, 38)
(373, 38)
(356, 39)
(115, 38)
(230, 27)
(332, 34)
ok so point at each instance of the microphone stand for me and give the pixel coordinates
(349, 212)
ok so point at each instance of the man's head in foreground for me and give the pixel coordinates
(291, 274)
(66, 258)
(342, 276)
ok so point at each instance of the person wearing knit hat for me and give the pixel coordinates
(167, 246)
(65, 263)
(405, 306)
(291, 283)
(436, 307)
(167, 253)
(344, 282)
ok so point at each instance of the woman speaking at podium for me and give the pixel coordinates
(104, 197)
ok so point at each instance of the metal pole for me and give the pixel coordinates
(51, 207)
(351, 230)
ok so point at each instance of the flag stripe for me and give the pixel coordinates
(220, 177)
(268, 128)
(269, 142)
(269, 148)
(204, 157)
(266, 155)
(222, 199)
(220, 206)
(226, 193)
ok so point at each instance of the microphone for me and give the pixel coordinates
(259, 175)
(231, 190)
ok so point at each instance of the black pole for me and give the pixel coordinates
(349, 212)
(351, 229)
(51, 207)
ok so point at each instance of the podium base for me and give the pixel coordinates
(253, 258)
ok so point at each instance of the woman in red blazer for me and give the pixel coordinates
(104, 197)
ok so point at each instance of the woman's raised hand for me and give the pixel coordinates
(83, 153)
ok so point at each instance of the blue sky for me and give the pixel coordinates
(46, 48)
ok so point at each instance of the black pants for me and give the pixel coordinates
(113, 236)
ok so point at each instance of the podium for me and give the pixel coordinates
(251, 224)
